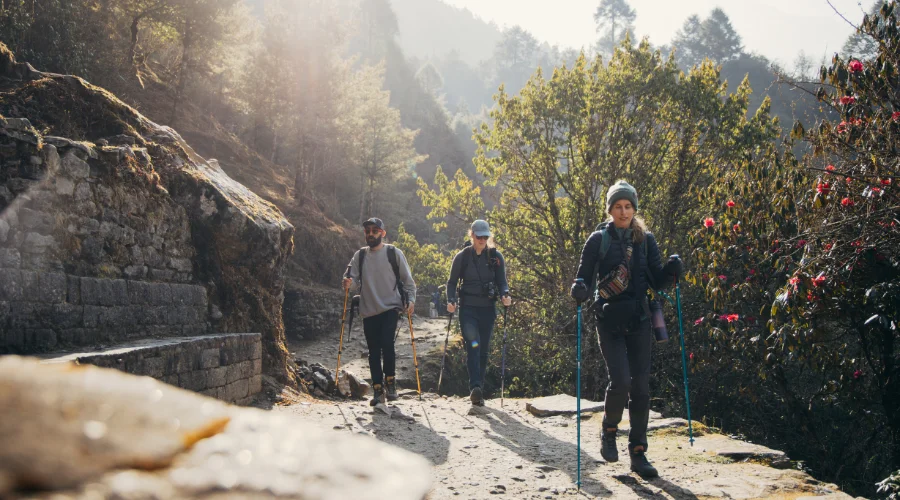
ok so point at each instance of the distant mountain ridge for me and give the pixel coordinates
(433, 28)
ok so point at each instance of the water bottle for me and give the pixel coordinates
(658, 322)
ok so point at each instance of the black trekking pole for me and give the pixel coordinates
(354, 304)
(503, 355)
(444, 355)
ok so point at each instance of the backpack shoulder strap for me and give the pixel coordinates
(492, 257)
(465, 262)
(605, 242)
(392, 258)
(362, 260)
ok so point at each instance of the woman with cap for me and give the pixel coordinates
(483, 273)
(623, 259)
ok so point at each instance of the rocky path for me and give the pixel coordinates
(429, 333)
(508, 451)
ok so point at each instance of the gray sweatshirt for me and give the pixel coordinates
(379, 292)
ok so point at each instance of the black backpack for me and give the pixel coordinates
(392, 258)
(493, 260)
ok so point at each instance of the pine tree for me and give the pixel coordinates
(615, 19)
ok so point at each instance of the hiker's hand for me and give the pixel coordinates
(411, 308)
(507, 300)
(674, 266)
(579, 292)
(451, 307)
(347, 283)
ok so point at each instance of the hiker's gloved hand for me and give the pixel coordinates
(674, 266)
(579, 292)
(507, 300)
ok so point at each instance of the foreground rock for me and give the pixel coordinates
(98, 433)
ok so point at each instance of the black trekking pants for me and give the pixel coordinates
(626, 350)
(379, 331)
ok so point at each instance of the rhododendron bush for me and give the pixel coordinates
(813, 297)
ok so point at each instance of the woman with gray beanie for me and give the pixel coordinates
(622, 258)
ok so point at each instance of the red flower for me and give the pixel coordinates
(732, 317)
(856, 374)
(709, 222)
(698, 321)
(810, 297)
(818, 280)
(895, 116)
(855, 66)
(723, 277)
(829, 246)
(856, 121)
(794, 281)
(856, 243)
(885, 182)
(801, 243)
(823, 188)
(729, 203)
(830, 168)
(847, 99)
(876, 190)
(691, 356)
(842, 127)
(849, 180)
(847, 202)
(753, 271)
(736, 227)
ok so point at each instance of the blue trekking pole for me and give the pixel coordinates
(578, 393)
(687, 397)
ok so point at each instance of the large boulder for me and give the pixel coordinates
(91, 432)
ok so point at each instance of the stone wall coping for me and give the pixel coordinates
(127, 347)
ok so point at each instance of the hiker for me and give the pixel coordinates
(386, 289)
(483, 273)
(623, 259)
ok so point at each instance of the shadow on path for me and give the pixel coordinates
(408, 431)
(541, 448)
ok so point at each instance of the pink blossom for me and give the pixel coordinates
(709, 222)
(855, 66)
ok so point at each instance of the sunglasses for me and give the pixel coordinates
(484, 238)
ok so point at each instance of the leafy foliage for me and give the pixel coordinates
(804, 254)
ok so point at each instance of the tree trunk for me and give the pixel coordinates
(187, 42)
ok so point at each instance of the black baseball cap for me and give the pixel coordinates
(374, 221)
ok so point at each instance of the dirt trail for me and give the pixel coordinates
(429, 334)
(508, 451)
(511, 452)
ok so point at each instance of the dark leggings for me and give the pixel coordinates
(626, 350)
(477, 325)
(379, 331)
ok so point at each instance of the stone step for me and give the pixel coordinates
(224, 366)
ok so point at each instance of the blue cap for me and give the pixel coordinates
(481, 228)
(374, 221)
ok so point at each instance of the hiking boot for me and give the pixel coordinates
(390, 388)
(379, 396)
(641, 465)
(477, 396)
(608, 449)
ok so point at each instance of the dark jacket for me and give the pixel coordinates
(646, 267)
(471, 290)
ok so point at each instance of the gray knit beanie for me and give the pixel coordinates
(621, 190)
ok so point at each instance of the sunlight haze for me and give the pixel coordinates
(778, 30)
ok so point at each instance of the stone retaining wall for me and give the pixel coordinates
(226, 367)
(43, 311)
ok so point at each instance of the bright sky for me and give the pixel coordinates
(777, 29)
